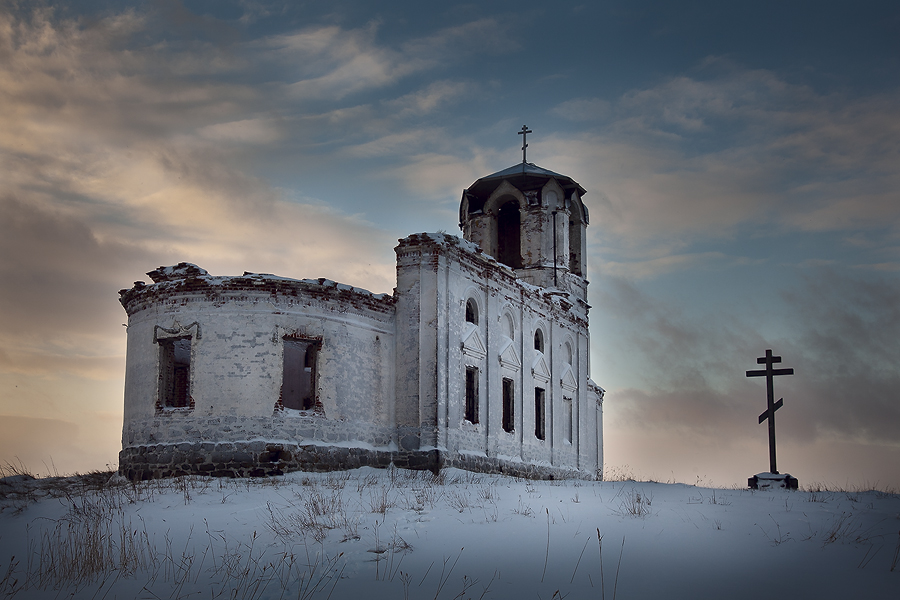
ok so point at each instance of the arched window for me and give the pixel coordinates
(568, 354)
(539, 417)
(471, 414)
(509, 222)
(576, 262)
(471, 312)
(509, 326)
(539, 340)
(509, 403)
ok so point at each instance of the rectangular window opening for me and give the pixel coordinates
(472, 394)
(509, 397)
(567, 419)
(175, 372)
(298, 386)
(539, 430)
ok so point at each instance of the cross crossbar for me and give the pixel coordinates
(762, 373)
(765, 414)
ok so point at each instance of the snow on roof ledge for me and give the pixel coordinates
(182, 270)
(186, 270)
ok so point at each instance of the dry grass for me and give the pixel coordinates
(320, 512)
(634, 503)
(99, 539)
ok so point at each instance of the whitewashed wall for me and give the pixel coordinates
(437, 274)
(237, 362)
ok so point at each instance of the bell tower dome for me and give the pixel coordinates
(532, 220)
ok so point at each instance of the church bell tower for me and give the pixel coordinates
(533, 221)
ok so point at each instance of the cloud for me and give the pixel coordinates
(696, 158)
(62, 361)
(26, 438)
(583, 109)
(58, 305)
(436, 95)
(329, 62)
(244, 131)
(190, 25)
(669, 263)
(393, 143)
(109, 173)
(339, 62)
(100, 73)
(847, 343)
(684, 371)
(57, 446)
(441, 175)
(482, 36)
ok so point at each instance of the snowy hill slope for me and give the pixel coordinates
(399, 534)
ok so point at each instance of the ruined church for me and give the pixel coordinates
(479, 359)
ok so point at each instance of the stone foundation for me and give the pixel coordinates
(484, 464)
(261, 459)
(258, 459)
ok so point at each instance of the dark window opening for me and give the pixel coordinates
(175, 372)
(472, 394)
(539, 430)
(471, 312)
(508, 405)
(298, 387)
(567, 416)
(575, 247)
(539, 340)
(509, 246)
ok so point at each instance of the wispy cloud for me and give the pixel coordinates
(436, 95)
(483, 36)
(332, 62)
(670, 262)
(584, 109)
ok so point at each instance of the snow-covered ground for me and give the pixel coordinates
(399, 534)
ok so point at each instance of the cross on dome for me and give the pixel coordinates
(524, 133)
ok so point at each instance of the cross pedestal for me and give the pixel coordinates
(767, 481)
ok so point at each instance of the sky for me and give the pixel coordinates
(742, 163)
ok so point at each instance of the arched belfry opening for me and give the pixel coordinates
(576, 242)
(509, 235)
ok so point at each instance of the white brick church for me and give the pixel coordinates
(480, 358)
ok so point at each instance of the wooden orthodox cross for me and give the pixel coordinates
(524, 133)
(769, 413)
